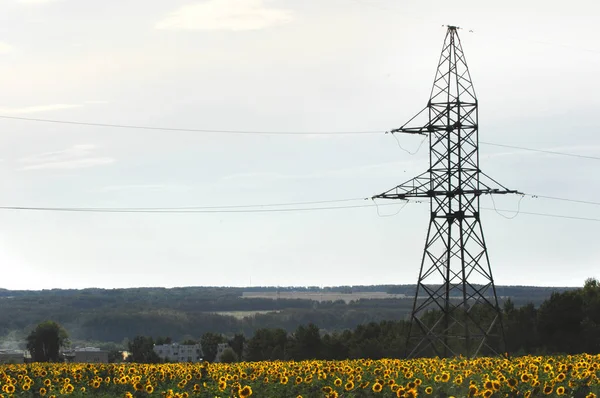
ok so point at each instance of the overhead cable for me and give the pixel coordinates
(183, 210)
(261, 132)
(130, 126)
(277, 210)
(542, 151)
(565, 199)
(250, 206)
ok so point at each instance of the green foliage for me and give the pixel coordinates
(521, 329)
(189, 342)
(305, 343)
(210, 342)
(163, 340)
(45, 341)
(228, 356)
(115, 356)
(110, 315)
(142, 350)
(266, 344)
(568, 322)
(237, 344)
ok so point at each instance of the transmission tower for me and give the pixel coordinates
(455, 309)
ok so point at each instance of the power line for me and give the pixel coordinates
(546, 215)
(248, 207)
(542, 151)
(108, 210)
(180, 208)
(544, 43)
(565, 199)
(508, 217)
(129, 126)
(261, 132)
(231, 210)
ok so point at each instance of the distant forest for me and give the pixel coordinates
(565, 323)
(114, 316)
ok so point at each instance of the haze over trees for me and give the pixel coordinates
(567, 322)
(107, 317)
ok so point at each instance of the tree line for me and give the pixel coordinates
(99, 315)
(567, 323)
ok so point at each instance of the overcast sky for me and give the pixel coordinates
(281, 65)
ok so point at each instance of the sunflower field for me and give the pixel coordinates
(529, 376)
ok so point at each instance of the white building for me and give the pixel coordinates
(86, 355)
(179, 353)
(12, 356)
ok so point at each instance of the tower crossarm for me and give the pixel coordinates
(492, 186)
(430, 126)
(421, 187)
(418, 187)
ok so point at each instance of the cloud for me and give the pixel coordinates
(96, 102)
(75, 157)
(5, 48)
(38, 108)
(235, 15)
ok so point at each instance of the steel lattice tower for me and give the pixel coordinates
(455, 309)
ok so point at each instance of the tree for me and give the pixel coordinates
(115, 356)
(210, 342)
(560, 322)
(591, 315)
(228, 356)
(521, 329)
(591, 284)
(266, 344)
(142, 350)
(46, 340)
(189, 342)
(334, 345)
(305, 343)
(237, 344)
(163, 340)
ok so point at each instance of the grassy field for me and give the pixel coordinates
(242, 314)
(326, 296)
